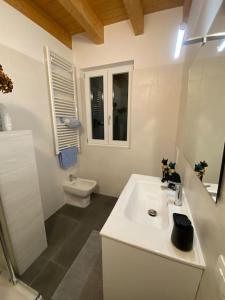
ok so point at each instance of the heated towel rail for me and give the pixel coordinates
(63, 100)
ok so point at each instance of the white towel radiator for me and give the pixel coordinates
(63, 100)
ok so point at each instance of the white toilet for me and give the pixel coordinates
(78, 191)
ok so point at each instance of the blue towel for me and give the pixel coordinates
(72, 123)
(68, 157)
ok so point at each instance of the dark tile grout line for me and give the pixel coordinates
(67, 237)
(38, 273)
(58, 264)
(51, 259)
(81, 222)
(69, 217)
(60, 215)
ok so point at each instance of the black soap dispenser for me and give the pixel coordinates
(182, 234)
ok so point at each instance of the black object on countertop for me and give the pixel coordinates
(182, 234)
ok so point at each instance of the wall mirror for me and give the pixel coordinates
(204, 124)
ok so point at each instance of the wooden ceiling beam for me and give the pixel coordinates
(136, 15)
(82, 13)
(186, 10)
(37, 15)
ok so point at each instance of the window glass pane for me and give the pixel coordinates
(120, 106)
(97, 107)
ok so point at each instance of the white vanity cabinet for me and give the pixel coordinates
(130, 273)
(139, 260)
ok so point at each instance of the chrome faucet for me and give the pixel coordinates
(72, 177)
(178, 193)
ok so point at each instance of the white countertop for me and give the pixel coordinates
(149, 238)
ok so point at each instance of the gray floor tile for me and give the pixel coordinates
(66, 255)
(58, 229)
(67, 232)
(91, 218)
(100, 211)
(84, 265)
(93, 289)
(76, 213)
(48, 280)
(34, 270)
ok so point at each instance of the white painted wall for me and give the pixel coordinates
(22, 57)
(208, 216)
(155, 101)
(153, 48)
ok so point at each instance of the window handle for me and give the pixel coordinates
(109, 120)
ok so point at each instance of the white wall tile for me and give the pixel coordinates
(20, 197)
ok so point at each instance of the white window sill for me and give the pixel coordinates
(108, 145)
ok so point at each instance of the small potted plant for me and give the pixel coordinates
(200, 169)
(6, 85)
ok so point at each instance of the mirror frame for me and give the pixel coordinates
(221, 176)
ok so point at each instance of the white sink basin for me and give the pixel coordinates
(146, 196)
(130, 223)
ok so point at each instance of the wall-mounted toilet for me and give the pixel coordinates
(78, 191)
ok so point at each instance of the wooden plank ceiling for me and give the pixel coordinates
(63, 18)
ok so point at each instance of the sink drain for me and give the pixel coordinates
(152, 212)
